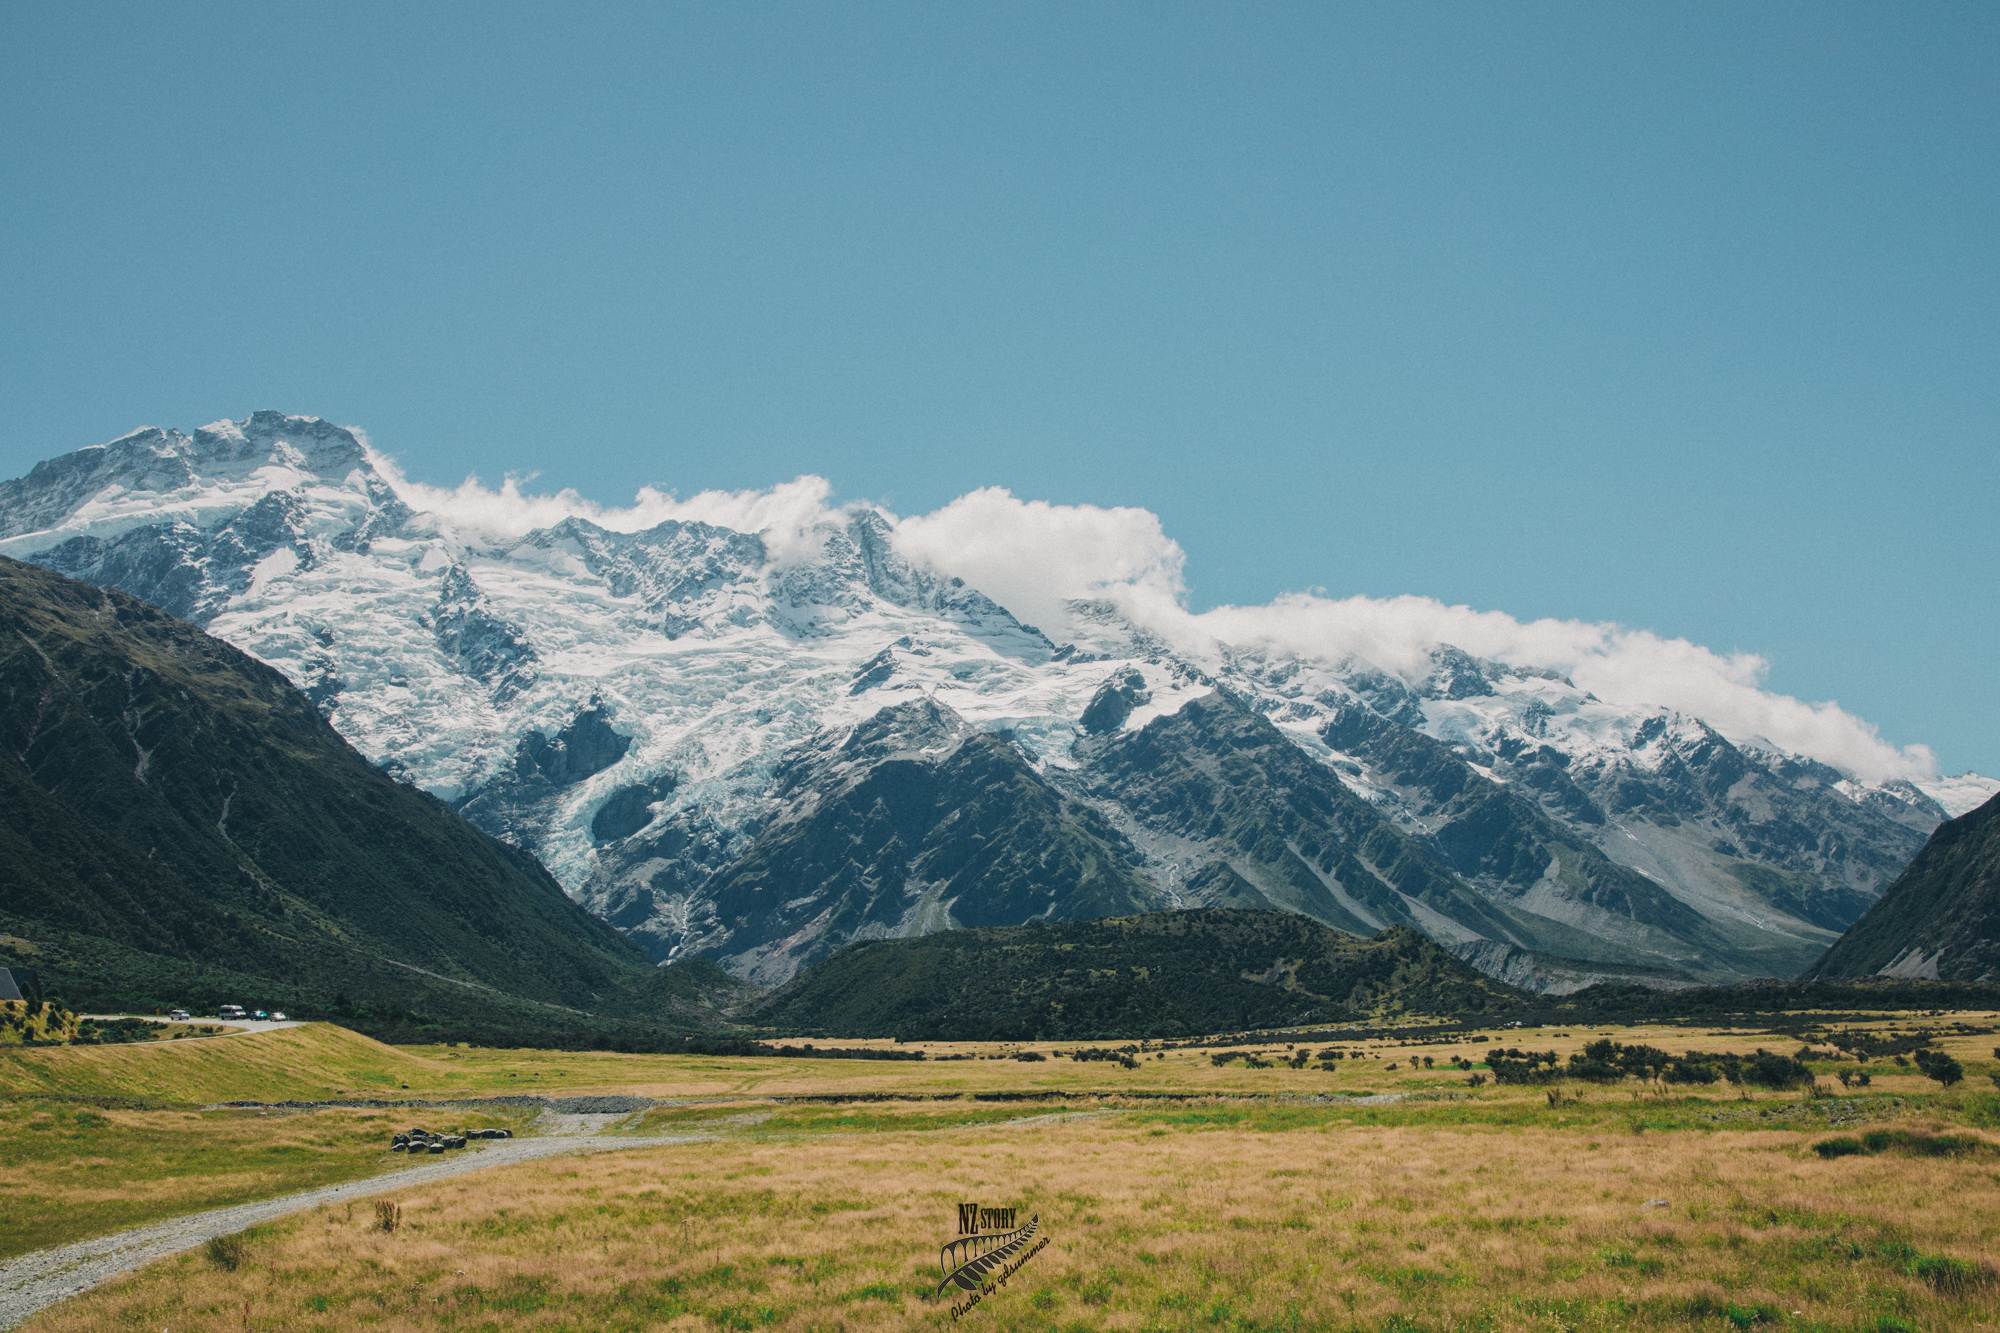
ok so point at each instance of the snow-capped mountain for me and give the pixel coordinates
(761, 744)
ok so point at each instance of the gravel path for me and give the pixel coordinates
(243, 1026)
(36, 1281)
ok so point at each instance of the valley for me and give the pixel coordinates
(1213, 1185)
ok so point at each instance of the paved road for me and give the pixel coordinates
(33, 1282)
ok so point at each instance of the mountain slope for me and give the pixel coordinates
(1163, 974)
(163, 791)
(1940, 920)
(914, 823)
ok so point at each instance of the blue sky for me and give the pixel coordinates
(1683, 316)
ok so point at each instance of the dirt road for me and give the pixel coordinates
(36, 1281)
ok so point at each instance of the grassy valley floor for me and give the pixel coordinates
(70, 1170)
(1179, 1195)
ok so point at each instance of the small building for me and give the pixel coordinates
(17, 983)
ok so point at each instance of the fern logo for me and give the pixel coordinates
(988, 1250)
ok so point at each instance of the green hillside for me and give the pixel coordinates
(1161, 974)
(179, 825)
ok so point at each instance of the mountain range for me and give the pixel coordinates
(760, 746)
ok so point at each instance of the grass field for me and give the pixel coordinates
(310, 1062)
(319, 1061)
(1161, 1220)
(1178, 1195)
(70, 1170)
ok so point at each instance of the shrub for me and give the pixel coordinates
(1768, 1069)
(1593, 1071)
(1841, 1147)
(1953, 1277)
(1511, 1066)
(388, 1216)
(1939, 1066)
(225, 1252)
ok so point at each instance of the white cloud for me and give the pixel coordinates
(1618, 664)
(1031, 556)
(785, 515)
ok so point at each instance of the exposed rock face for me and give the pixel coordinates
(694, 728)
(914, 823)
(1940, 920)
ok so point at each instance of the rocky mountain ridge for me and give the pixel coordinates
(1940, 919)
(695, 728)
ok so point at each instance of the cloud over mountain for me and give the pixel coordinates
(1033, 556)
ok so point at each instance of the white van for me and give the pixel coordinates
(234, 1011)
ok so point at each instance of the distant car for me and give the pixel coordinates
(279, 1017)
(260, 1015)
(234, 1011)
(179, 1015)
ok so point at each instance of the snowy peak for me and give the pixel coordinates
(689, 577)
(152, 472)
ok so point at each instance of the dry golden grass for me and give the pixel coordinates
(321, 1060)
(314, 1060)
(1159, 1220)
(1384, 1066)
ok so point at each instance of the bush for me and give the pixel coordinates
(1690, 1070)
(1906, 1144)
(225, 1252)
(1768, 1069)
(1939, 1066)
(1511, 1066)
(1953, 1277)
(1593, 1071)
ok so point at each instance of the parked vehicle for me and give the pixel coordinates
(260, 1015)
(277, 1016)
(179, 1016)
(234, 1011)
